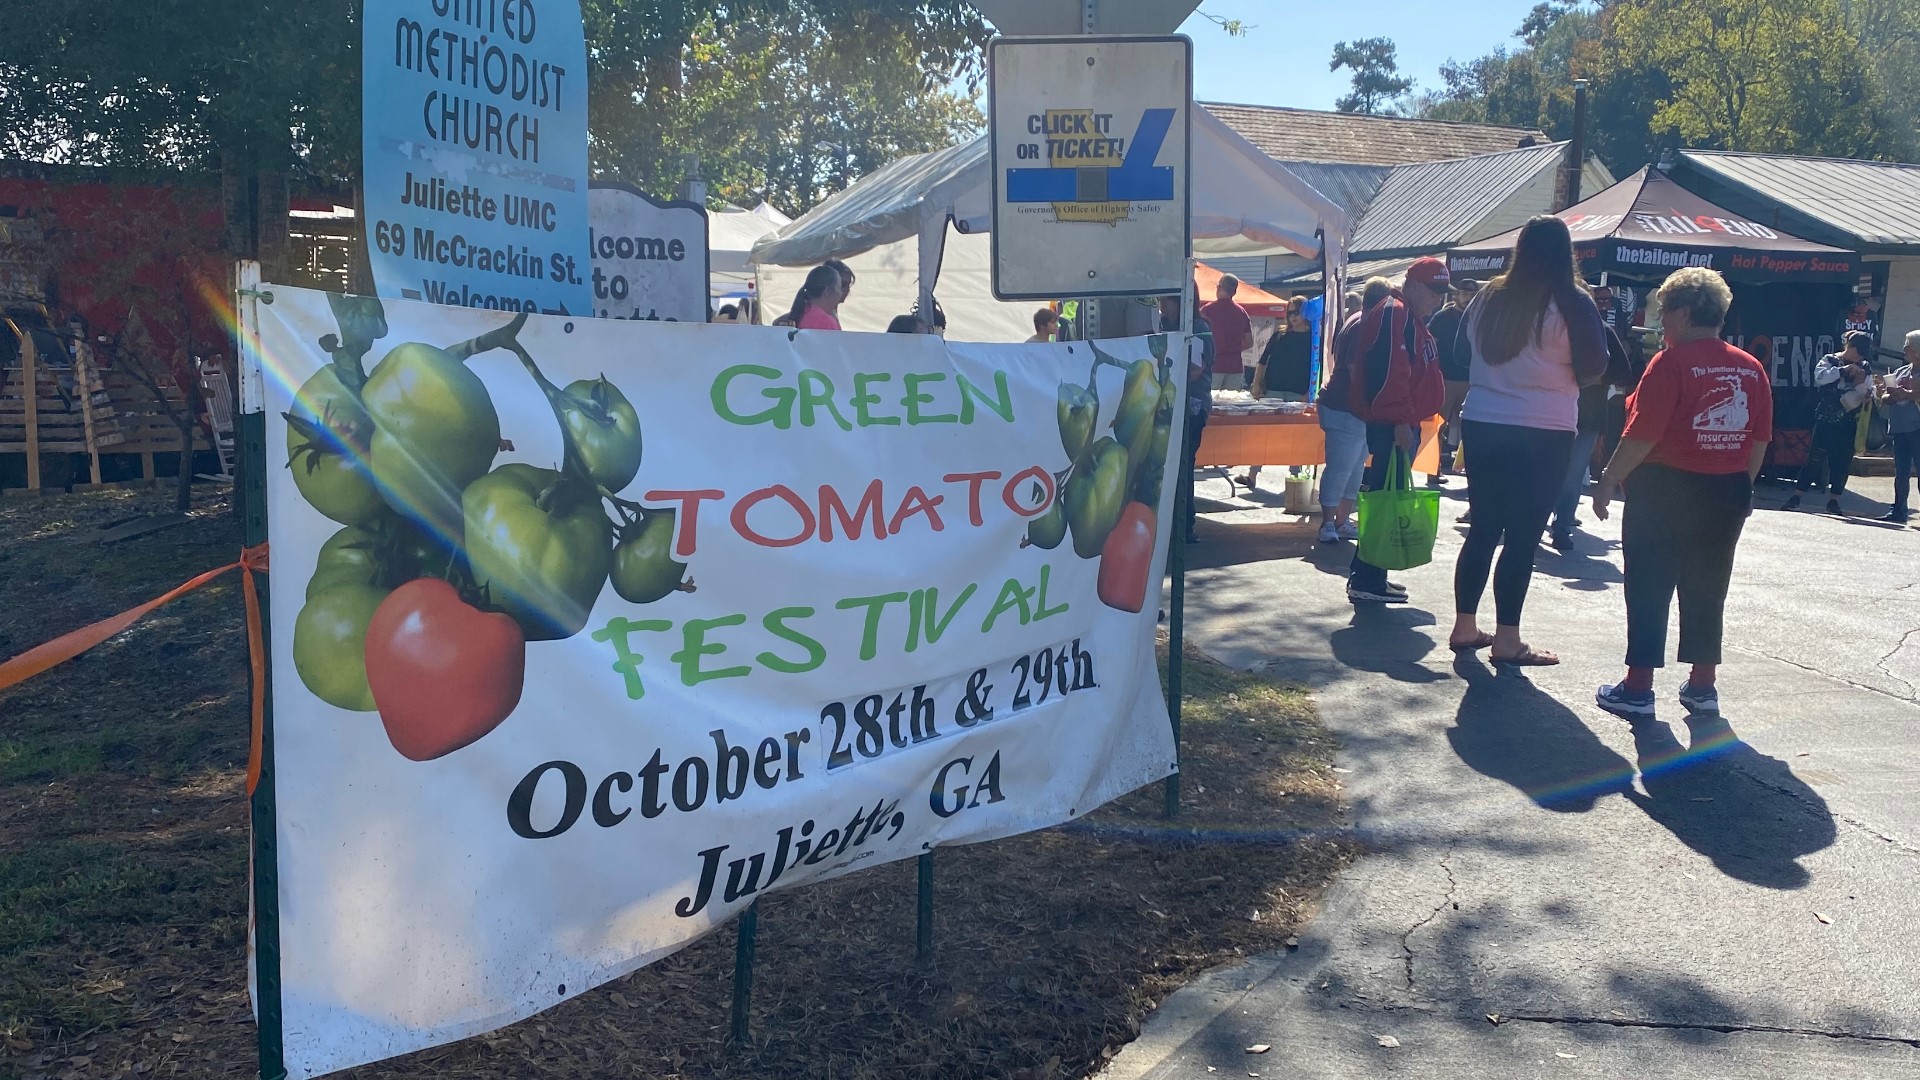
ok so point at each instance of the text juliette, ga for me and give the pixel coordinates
(743, 875)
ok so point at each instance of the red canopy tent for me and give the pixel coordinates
(1259, 303)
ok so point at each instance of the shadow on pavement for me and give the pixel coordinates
(1386, 640)
(1512, 731)
(1580, 568)
(1222, 544)
(1740, 808)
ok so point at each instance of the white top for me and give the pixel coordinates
(1535, 389)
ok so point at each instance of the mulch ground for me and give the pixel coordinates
(123, 873)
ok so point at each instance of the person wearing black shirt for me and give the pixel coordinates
(1455, 364)
(1287, 367)
(1591, 424)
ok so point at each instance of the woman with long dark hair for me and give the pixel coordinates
(1536, 339)
(816, 305)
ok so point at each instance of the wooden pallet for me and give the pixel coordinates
(117, 415)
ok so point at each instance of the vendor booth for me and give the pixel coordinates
(1790, 295)
(1264, 310)
(925, 219)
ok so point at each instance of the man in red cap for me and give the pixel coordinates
(1397, 387)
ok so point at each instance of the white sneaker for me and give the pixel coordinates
(1349, 531)
(1327, 534)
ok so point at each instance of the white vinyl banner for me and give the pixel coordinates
(585, 632)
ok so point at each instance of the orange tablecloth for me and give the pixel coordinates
(1288, 439)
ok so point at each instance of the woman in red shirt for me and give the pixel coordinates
(1696, 436)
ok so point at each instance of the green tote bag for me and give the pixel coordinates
(1398, 523)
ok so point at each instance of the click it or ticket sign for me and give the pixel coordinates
(1090, 156)
(475, 147)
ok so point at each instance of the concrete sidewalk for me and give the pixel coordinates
(1553, 892)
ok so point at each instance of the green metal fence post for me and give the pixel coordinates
(1177, 621)
(923, 922)
(266, 854)
(1177, 556)
(740, 1032)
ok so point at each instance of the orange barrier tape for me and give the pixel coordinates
(67, 646)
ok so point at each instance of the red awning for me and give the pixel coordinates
(1259, 303)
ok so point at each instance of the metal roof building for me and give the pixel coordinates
(1434, 205)
(1869, 206)
(1427, 207)
(1872, 207)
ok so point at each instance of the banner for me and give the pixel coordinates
(474, 140)
(586, 632)
(650, 258)
(1788, 328)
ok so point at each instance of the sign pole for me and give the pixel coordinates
(1177, 564)
(923, 921)
(745, 940)
(265, 852)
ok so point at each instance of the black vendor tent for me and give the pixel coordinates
(1788, 294)
(1647, 226)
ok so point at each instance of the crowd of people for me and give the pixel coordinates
(1530, 372)
(1533, 386)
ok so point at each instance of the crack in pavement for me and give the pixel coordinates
(1406, 939)
(1725, 1029)
(1881, 664)
(1841, 679)
(1801, 800)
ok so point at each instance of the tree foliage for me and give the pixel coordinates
(1774, 75)
(1377, 82)
(1829, 77)
(166, 83)
(173, 83)
(783, 110)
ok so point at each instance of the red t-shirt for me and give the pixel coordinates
(1232, 333)
(1703, 404)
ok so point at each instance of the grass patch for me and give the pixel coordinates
(123, 877)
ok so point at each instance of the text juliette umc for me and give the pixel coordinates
(466, 200)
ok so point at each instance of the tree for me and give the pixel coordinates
(1889, 31)
(277, 82)
(843, 110)
(1377, 82)
(104, 82)
(1784, 76)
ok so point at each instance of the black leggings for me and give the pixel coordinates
(1515, 473)
(1678, 532)
(1830, 458)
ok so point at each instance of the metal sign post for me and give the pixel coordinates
(1091, 156)
(265, 858)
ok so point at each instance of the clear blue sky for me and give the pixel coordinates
(1283, 59)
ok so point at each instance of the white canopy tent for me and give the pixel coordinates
(891, 227)
(731, 235)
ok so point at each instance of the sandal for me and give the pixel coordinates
(1528, 656)
(1484, 641)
